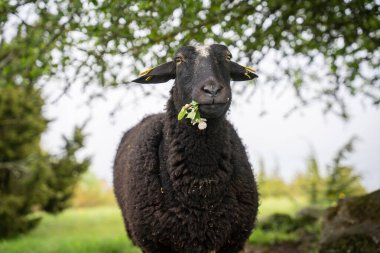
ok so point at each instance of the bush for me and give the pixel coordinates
(31, 179)
(91, 192)
(279, 222)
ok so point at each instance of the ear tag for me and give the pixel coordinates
(148, 78)
(146, 72)
(250, 69)
(246, 74)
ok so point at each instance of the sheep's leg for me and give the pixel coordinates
(231, 248)
(234, 245)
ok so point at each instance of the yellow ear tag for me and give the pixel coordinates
(148, 78)
(250, 69)
(246, 74)
(146, 72)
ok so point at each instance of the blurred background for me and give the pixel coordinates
(310, 122)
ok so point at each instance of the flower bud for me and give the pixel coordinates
(202, 125)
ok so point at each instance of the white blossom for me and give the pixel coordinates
(202, 125)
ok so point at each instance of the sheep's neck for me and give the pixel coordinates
(202, 150)
(199, 161)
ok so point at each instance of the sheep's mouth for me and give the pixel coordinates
(213, 110)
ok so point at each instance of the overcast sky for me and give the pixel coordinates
(282, 143)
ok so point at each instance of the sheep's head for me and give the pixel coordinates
(202, 74)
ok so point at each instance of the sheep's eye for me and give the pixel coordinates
(228, 57)
(178, 60)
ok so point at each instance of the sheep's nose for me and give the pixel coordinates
(211, 90)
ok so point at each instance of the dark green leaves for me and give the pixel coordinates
(31, 178)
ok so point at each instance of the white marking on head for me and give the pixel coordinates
(203, 51)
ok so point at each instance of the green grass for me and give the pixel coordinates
(260, 237)
(101, 230)
(271, 205)
(92, 230)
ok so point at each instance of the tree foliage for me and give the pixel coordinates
(342, 179)
(271, 184)
(30, 178)
(314, 181)
(92, 191)
(32, 35)
(103, 41)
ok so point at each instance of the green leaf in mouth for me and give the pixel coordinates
(191, 111)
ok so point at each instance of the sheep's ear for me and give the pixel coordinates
(241, 73)
(159, 74)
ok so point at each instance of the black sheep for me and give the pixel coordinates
(182, 189)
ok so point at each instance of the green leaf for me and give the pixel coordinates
(182, 113)
(194, 104)
(191, 111)
(197, 117)
(191, 115)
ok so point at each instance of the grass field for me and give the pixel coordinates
(100, 230)
(92, 230)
